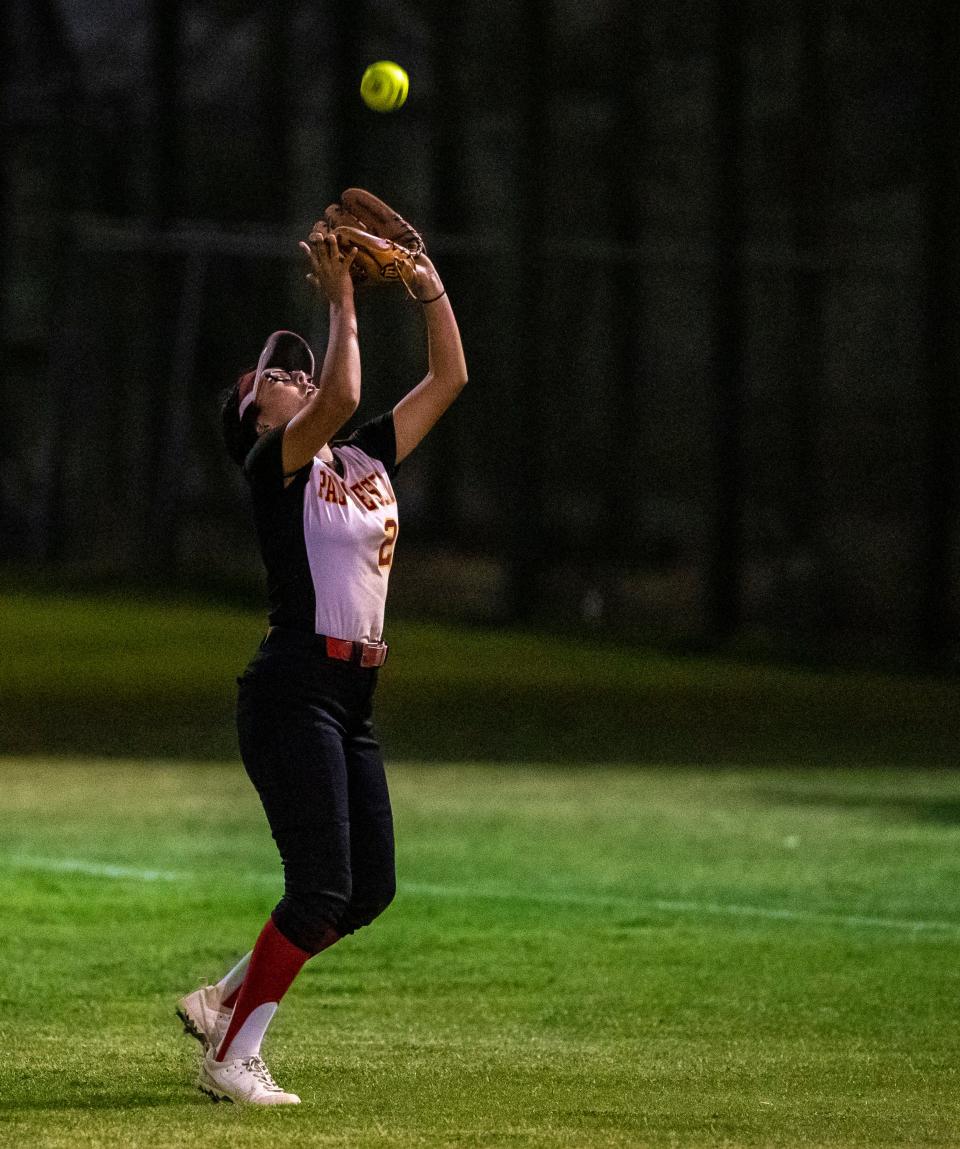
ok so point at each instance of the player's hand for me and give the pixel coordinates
(427, 284)
(329, 268)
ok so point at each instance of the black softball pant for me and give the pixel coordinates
(308, 745)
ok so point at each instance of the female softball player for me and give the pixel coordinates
(326, 517)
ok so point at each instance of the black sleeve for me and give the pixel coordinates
(377, 439)
(264, 463)
(263, 466)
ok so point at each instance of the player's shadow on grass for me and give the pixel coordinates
(942, 811)
(120, 1100)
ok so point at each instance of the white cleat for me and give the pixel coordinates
(243, 1079)
(202, 1016)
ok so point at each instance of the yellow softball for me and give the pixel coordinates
(384, 86)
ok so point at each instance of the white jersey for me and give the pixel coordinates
(328, 538)
(350, 528)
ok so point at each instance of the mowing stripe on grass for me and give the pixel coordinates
(543, 897)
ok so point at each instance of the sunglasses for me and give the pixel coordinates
(272, 375)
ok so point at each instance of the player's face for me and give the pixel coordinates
(280, 395)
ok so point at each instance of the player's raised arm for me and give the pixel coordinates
(337, 391)
(446, 377)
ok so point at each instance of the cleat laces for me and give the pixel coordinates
(258, 1068)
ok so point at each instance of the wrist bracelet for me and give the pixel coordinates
(435, 298)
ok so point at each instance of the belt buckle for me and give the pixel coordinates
(373, 654)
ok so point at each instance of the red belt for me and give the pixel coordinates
(367, 654)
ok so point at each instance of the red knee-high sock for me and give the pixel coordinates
(274, 963)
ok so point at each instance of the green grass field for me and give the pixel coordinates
(576, 957)
(649, 950)
(111, 676)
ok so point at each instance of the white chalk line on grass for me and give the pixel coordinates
(704, 909)
(545, 897)
(93, 869)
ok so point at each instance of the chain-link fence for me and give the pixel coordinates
(705, 272)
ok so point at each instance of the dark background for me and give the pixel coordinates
(703, 254)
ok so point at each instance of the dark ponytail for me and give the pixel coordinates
(239, 435)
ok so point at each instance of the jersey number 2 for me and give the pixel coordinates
(386, 547)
